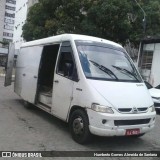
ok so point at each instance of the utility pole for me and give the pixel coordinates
(144, 30)
(144, 16)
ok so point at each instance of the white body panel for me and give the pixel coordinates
(155, 94)
(67, 93)
(109, 128)
(122, 95)
(27, 73)
(62, 96)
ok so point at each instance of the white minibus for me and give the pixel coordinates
(88, 82)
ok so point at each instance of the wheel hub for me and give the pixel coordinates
(78, 126)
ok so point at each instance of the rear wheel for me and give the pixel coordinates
(79, 126)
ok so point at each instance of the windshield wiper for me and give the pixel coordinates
(126, 71)
(104, 69)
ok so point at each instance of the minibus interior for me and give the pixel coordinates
(46, 74)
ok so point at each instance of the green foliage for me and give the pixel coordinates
(117, 20)
(109, 18)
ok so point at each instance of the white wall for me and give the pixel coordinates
(149, 47)
(20, 17)
(155, 71)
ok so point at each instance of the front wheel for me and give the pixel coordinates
(79, 126)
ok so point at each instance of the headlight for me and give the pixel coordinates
(103, 109)
(152, 108)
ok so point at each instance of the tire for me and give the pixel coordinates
(79, 126)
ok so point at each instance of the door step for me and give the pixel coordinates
(44, 107)
(45, 98)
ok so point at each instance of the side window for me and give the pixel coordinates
(66, 64)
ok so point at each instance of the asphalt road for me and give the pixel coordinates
(23, 129)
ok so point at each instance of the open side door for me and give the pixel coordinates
(9, 65)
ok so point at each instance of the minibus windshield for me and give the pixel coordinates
(101, 62)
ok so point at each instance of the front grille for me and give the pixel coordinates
(142, 109)
(124, 109)
(131, 122)
(157, 104)
(129, 110)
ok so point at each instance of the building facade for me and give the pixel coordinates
(20, 17)
(7, 20)
(13, 15)
(22, 8)
(2, 13)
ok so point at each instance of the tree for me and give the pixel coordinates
(152, 10)
(49, 17)
(117, 20)
(108, 19)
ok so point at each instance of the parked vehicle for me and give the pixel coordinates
(88, 82)
(158, 87)
(155, 94)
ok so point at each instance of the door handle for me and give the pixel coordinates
(35, 77)
(56, 81)
(24, 74)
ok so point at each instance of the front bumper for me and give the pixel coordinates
(97, 127)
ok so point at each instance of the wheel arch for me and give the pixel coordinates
(73, 108)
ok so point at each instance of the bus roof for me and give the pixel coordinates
(67, 37)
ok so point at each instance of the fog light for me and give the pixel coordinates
(104, 121)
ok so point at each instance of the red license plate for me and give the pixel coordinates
(130, 132)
